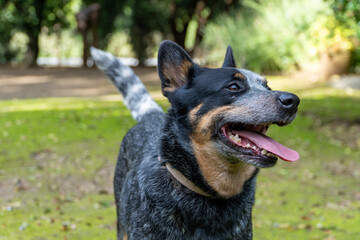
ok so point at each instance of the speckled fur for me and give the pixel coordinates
(151, 204)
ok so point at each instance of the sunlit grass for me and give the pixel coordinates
(57, 158)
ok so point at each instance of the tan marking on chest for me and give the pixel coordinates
(226, 178)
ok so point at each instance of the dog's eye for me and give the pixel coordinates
(234, 87)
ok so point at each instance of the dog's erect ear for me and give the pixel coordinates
(229, 60)
(175, 66)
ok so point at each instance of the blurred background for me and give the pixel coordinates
(267, 36)
(61, 120)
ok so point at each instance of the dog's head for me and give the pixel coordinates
(225, 111)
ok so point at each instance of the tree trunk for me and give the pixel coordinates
(33, 31)
(179, 36)
(200, 6)
(32, 49)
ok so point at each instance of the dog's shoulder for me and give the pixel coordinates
(144, 135)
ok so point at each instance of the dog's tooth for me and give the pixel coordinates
(263, 152)
(254, 147)
(239, 141)
(236, 138)
(247, 145)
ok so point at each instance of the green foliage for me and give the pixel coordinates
(119, 45)
(55, 15)
(348, 13)
(147, 19)
(268, 36)
(109, 11)
(148, 22)
(9, 21)
(329, 35)
(284, 35)
(28, 16)
(188, 19)
(18, 46)
(66, 44)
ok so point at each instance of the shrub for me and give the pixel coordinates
(270, 35)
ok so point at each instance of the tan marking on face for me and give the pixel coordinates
(125, 237)
(203, 128)
(168, 89)
(226, 178)
(193, 112)
(239, 75)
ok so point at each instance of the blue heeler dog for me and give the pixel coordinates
(191, 173)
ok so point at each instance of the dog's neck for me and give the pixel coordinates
(175, 148)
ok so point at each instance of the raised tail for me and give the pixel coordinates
(135, 95)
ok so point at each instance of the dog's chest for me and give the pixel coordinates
(162, 212)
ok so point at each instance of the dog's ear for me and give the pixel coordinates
(175, 67)
(229, 60)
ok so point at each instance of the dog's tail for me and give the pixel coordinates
(135, 95)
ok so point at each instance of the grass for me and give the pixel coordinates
(57, 159)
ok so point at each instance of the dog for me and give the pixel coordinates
(191, 173)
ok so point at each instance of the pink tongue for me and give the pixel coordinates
(270, 145)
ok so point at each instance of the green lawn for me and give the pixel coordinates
(57, 158)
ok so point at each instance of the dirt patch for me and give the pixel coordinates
(47, 163)
(24, 83)
(343, 167)
(73, 185)
(44, 177)
(7, 188)
(69, 185)
(344, 133)
(76, 186)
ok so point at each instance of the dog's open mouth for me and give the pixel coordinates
(251, 140)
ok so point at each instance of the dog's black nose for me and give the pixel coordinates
(289, 100)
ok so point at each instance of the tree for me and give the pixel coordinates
(32, 14)
(348, 13)
(173, 17)
(7, 29)
(109, 10)
(182, 12)
(170, 18)
(29, 16)
(147, 17)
